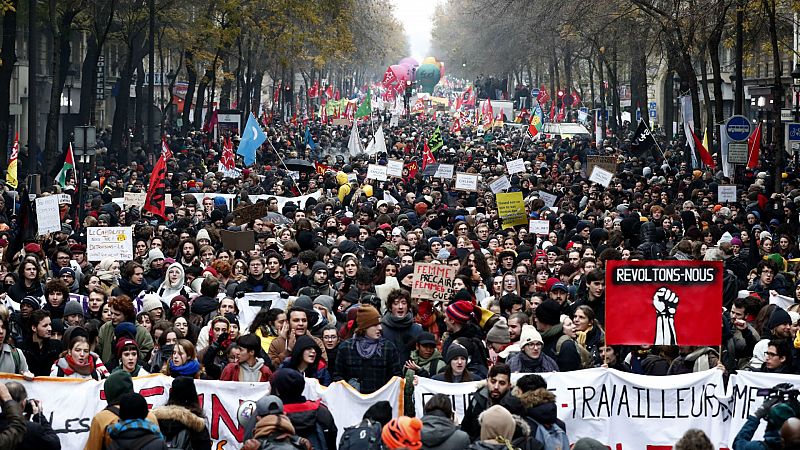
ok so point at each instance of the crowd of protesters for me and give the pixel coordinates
(523, 303)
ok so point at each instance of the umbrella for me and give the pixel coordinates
(299, 165)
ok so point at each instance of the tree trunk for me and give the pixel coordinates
(61, 56)
(201, 99)
(227, 85)
(770, 7)
(639, 77)
(9, 57)
(738, 59)
(88, 80)
(140, 109)
(191, 75)
(120, 125)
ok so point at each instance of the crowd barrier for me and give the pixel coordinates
(619, 409)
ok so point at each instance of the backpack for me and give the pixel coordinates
(587, 361)
(553, 438)
(181, 441)
(290, 443)
(366, 435)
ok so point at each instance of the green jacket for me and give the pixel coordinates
(106, 339)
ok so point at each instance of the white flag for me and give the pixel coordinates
(354, 145)
(378, 143)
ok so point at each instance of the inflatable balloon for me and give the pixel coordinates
(341, 178)
(429, 60)
(441, 70)
(409, 61)
(367, 190)
(427, 77)
(343, 191)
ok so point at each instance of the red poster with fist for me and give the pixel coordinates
(664, 303)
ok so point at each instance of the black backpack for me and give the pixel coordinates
(366, 435)
(289, 443)
(181, 441)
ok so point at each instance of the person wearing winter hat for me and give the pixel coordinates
(307, 417)
(318, 283)
(132, 430)
(183, 412)
(367, 360)
(456, 370)
(497, 339)
(323, 304)
(154, 270)
(778, 327)
(588, 443)
(127, 352)
(403, 433)
(562, 350)
(73, 314)
(460, 320)
(153, 305)
(497, 428)
(531, 358)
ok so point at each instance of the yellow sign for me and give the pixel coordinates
(511, 209)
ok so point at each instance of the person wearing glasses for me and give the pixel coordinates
(530, 358)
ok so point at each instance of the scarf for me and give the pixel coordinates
(398, 323)
(85, 369)
(186, 370)
(274, 423)
(581, 336)
(367, 347)
(537, 365)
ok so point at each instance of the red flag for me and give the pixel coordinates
(336, 95)
(488, 113)
(277, 93)
(543, 96)
(561, 114)
(754, 147)
(456, 127)
(313, 91)
(213, 121)
(320, 168)
(389, 79)
(155, 202)
(413, 168)
(576, 99)
(459, 102)
(228, 160)
(553, 113)
(704, 154)
(427, 156)
(165, 148)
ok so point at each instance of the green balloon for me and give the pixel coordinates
(427, 77)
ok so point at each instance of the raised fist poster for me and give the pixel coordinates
(664, 303)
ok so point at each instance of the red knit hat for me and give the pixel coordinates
(460, 311)
(550, 282)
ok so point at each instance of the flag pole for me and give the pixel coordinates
(522, 145)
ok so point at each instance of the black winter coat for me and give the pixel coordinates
(172, 419)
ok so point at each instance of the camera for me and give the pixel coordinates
(29, 405)
(783, 392)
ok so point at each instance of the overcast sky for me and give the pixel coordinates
(417, 19)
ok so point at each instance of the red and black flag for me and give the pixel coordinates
(155, 202)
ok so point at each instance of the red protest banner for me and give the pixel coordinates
(664, 303)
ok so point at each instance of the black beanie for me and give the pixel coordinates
(132, 406)
(549, 312)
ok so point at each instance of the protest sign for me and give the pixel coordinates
(444, 171)
(64, 199)
(671, 302)
(466, 182)
(511, 209)
(252, 302)
(394, 168)
(726, 193)
(109, 242)
(238, 240)
(248, 213)
(340, 122)
(601, 176)
(376, 172)
(548, 199)
(430, 170)
(47, 214)
(433, 281)
(609, 163)
(515, 166)
(538, 226)
(135, 199)
(500, 184)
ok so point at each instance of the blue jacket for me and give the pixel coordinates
(772, 437)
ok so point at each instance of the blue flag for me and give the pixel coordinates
(309, 140)
(252, 138)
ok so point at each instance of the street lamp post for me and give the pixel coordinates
(676, 92)
(85, 141)
(796, 88)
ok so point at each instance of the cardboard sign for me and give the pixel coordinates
(539, 226)
(109, 242)
(433, 281)
(394, 168)
(515, 166)
(548, 199)
(376, 172)
(466, 182)
(609, 163)
(238, 240)
(47, 214)
(340, 122)
(430, 170)
(135, 199)
(667, 300)
(500, 184)
(601, 176)
(250, 212)
(511, 208)
(726, 193)
(444, 171)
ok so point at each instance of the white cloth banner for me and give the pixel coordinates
(282, 201)
(69, 404)
(688, 124)
(251, 303)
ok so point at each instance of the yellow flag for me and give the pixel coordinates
(11, 174)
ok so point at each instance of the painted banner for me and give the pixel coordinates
(671, 302)
(69, 404)
(433, 281)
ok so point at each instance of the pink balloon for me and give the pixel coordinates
(409, 61)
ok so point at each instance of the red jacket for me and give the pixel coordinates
(231, 373)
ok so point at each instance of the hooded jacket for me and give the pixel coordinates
(172, 419)
(440, 433)
(317, 369)
(168, 291)
(306, 416)
(137, 434)
(235, 371)
(540, 408)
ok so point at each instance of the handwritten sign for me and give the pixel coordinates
(250, 212)
(608, 163)
(445, 171)
(135, 199)
(64, 199)
(548, 199)
(47, 214)
(433, 281)
(538, 226)
(726, 193)
(109, 242)
(500, 184)
(466, 182)
(394, 168)
(515, 166)
(511, 208)
(376, 172)
(601, 176)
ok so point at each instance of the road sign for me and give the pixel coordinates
(738, 128)
(652, 105)
(535, 92)
(792, 137)
(737, 152)
(787, 115)
(653, 114)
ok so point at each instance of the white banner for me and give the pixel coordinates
(69, 404)
(251, 303)
(601, 176)
(444, 171)
(500, 184)
(466, 182)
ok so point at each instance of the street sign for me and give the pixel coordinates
(737, 152)
(787, 115)
(653, 114)
(652, 105)
(792, 138)
(738, 128)
(535, 92)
